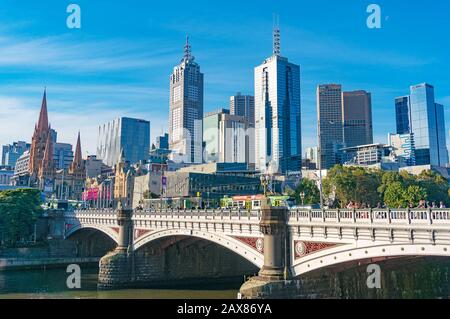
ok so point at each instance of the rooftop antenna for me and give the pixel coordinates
(276, 35)
(187, 50)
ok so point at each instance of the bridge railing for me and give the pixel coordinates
(372, 216)
(200, 214)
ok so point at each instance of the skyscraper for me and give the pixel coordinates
(186, 110)
(402, 115)
(225, 136)
(421, 115)
(162, 141)
(12, 152)
(357, 118)
(62, 155)
(132, 136)
(330, 131)
(243, 105)
(278, 114)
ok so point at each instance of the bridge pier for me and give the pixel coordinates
(274, 280)
(116, 267)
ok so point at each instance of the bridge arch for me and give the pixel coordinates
(105, 230)
(228, 242)
(353, 252)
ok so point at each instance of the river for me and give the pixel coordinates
(51, 283)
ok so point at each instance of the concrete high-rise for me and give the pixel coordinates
(186, 110)
(127, 135)
(330, 120)
(357, 118)
(420, 115)
(278, 114)
(226, 139)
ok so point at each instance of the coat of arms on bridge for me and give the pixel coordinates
(255, 243)
(303, 248)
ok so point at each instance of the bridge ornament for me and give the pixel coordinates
(255, 243)
(305, 248)
(138, 233)
(260, 245)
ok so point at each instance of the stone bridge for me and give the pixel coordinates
(284, 244)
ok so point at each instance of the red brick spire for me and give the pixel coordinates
(43, 116)
(47, 161)
(78, 159)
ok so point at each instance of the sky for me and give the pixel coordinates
(119, 62)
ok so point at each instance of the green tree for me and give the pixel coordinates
(414, 194)
(19, 209)
(352, 184)
(394, 195)
(311, 191)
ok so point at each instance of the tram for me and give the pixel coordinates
(251, 202)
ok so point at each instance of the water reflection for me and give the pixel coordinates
(51, 283)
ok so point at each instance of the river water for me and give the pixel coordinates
(51, 283)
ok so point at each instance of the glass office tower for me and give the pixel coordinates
(357, 118)
(428, 125)
(402, 115)
(329, 121)
(127, 134)
(278, 115)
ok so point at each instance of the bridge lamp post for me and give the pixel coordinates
(302, 196)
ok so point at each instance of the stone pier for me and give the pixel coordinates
(274, 280)
(116, 268)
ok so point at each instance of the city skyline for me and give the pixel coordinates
(83, 73)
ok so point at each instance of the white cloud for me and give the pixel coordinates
(17, 121)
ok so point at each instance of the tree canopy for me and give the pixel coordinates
(395, 189)
(19, 210)
(310, 190)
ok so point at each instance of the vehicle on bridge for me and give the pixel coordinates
(252, 202)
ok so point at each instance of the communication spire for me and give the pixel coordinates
(187, 51)
(276, 35)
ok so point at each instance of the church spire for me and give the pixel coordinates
(42, 124)
(47, 161)
(78, 155)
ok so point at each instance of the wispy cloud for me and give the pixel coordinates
(69, 54)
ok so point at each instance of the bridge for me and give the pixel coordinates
(284, 244)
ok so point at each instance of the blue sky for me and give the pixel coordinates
(119, 62)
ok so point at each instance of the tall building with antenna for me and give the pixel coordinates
(186, 110)
(278, 147)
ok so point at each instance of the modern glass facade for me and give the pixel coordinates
(428, 125)
(329, 112)
(62, 155)
(12, 152)
(127, 134)
(162, 141)
(278, 116)
(402, 115)
(357, 118)
(243, 105)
